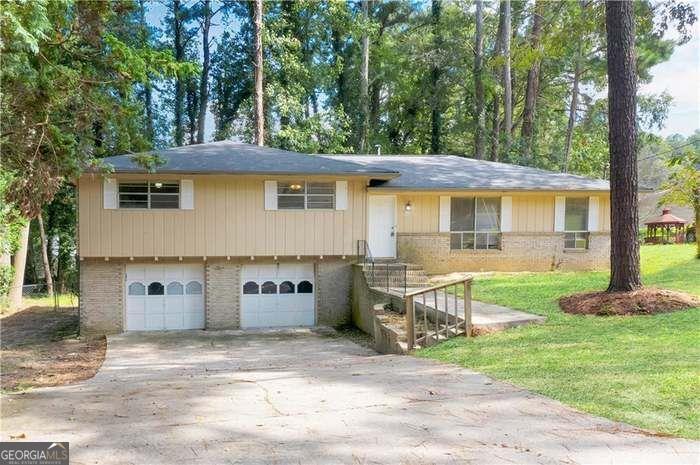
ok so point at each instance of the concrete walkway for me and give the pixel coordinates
(282, 398)
(485, 316)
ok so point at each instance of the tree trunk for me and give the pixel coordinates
(533, 82)
(507, 83)
(696, 206)
(479, 116)
(45, 256)
(495, 114)
(364, 83)
(204, 78)
(495, 130)
(572, 110)
(339, 62)
(19, 263)
(192, 108)
(179, 85)
(258, 93)
(435, 74)
(622, 137)
(147, 90)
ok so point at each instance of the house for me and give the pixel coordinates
(229, 235)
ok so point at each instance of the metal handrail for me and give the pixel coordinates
(364, 257)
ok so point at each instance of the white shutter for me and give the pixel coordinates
(109, 193)
(341, 195)
(444, 213)
(593, 213)
(270, 195)
(186, 194)
(559, 213)
(506, 214)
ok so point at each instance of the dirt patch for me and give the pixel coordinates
(647, 301)
(40, 347)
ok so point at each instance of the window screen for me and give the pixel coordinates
(149, 195)
(576, 218)
(299, 195)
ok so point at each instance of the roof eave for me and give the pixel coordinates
(481, 189)
(374, 175)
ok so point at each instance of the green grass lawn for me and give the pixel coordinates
(643, 370)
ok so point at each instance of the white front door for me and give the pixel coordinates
(280, 294)
(164, 297)
(382, 226)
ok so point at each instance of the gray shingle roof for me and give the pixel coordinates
(227, 157)
(449, 172)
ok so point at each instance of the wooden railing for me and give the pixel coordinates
(425, 330)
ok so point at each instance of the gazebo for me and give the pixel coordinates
(665, 229)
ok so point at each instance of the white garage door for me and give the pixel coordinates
(277, 295)
(164, 297)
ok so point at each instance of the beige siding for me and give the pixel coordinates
(532, 212)
(228, 219)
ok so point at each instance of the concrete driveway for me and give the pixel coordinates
(225, 398)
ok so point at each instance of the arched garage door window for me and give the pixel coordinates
(287, 287)
(251, 287)
(305, 287)
(269, 287)
(137, 289)
(156, 288)
(194, 287)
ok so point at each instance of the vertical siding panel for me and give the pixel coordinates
(159, 234)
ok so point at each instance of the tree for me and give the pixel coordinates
(507, 82)
(258, 67)
(435, 81)
(622, 136)
(683, 185)
(179, 47)
(204, 78)
(364, 81)
(479, 116)
(533, 81)
(48, 275)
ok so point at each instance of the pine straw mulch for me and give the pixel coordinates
(40, 347)
(645, 301)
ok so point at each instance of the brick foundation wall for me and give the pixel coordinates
(222, 299)
(102, 293)
(101, 297)
(519, 252)
(333, 287)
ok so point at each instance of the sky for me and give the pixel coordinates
(679, 76)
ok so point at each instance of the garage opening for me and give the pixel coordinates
(168, 296)
(278, 295)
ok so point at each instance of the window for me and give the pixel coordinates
(269, 287)
(251, 287)
(287, 287)
(300, 195)
(156, 288)
(305, 287)
(149, 195)
(137, 289)
(175, 288)
(576, 223)
(193, 287)
(475, 223)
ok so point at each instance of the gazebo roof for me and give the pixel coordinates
(666, 218)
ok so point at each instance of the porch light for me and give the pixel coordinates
(159, 185)
(408, 206)
(295, 187)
